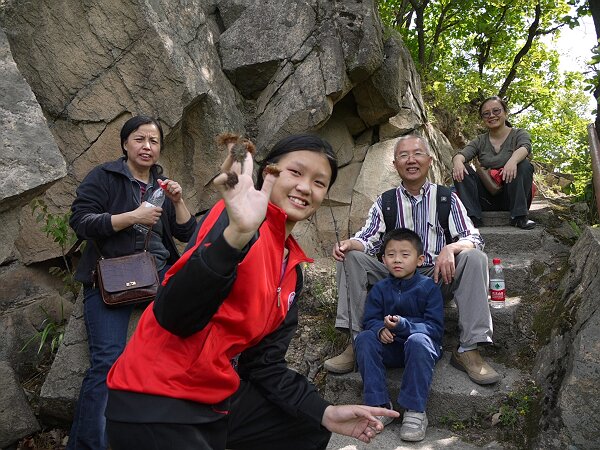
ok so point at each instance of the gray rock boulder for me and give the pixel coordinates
(361, 35)
(29, 300)
(60, 391)
(16, 417)
(91, 74)
(266, 34)
(393, 89)
(10, 229)
(568, 367)
(30, 158)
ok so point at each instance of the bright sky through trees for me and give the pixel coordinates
(575, 48)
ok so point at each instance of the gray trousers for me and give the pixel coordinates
(469, 289)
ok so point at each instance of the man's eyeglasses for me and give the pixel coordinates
(488, 114)
(417, 155)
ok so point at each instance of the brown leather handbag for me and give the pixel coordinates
(127, 280)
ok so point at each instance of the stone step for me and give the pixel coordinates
(539, 212)
(389, 439)
(522, 272)
(510, 240)
(508, 337)
(453, 395)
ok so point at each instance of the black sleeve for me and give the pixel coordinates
(192, 295)
(90, 218)
(264, 366)
(184, 231)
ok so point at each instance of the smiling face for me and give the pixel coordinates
(302, 184)
(493, 114)
(142, 147)
(401, 258)
(412, 161)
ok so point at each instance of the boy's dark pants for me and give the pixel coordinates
(418, 355)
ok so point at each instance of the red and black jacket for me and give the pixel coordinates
(217, 303)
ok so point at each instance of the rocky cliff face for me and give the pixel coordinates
(568, 367)
(265, 69)
(74, 71)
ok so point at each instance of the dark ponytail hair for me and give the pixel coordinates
(501, 101)
(297, 142)
(133, 124)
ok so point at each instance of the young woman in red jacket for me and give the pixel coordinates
(206, 367)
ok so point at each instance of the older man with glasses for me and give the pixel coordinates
(460, 265)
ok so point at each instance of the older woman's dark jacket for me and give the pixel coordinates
(110, 189)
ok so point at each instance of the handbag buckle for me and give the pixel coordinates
(130, 283)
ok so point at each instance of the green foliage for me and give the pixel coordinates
(467, 50)
(468, 47)
(516, 416)
(51, 331)
(593, 80)
(57, 227)
(559, 133)
(452, 422)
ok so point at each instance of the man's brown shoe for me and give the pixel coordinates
(343, 363)
(478, 370)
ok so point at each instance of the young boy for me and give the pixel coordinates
(403, 327)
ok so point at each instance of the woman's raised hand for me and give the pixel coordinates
(172, 190)
(246, 206)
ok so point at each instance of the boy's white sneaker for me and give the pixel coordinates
(414, 426)
(386, 420)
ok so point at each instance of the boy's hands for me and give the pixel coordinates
(389, 322)
(386, 336)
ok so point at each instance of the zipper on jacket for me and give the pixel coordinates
(279, 296)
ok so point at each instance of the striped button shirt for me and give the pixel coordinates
(418, 213)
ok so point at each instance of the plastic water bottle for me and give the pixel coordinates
(156, 200)
(497, 286)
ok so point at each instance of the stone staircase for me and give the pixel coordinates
(525, 255)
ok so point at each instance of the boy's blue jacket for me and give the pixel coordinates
(418, 300)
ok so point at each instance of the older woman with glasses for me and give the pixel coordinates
(504, 180)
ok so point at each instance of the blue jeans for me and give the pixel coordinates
(107, 336)
(417, 354)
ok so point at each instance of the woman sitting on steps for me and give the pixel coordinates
(505, 149)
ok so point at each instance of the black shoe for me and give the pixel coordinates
(523, 223)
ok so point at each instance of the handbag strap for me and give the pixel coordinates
(146, 241)
(74, 247)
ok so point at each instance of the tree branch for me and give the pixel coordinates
(522, 109)
(521, 54)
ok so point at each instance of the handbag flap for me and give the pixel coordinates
(127, 272)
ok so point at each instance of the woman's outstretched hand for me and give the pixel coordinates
(246, 206)
(356, 421)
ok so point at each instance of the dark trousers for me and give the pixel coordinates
(107, 335)
(514, 197)
(253, 423)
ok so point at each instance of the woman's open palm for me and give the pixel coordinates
(246, 206)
